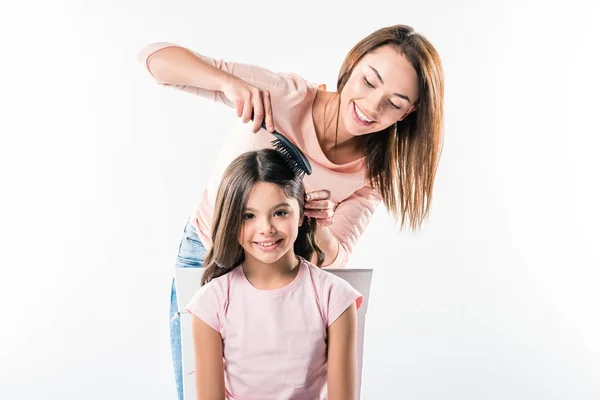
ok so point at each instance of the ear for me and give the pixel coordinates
(411, 109)
(301, 220)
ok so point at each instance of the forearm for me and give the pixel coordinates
(176, 65)
(328, 243)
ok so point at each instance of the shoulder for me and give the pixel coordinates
(291, 90)
(315, 273)
(219, 287)
(326, 281)
(334, 293)
(224, 282)
(213, 297)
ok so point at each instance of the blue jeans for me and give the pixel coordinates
(191, 255)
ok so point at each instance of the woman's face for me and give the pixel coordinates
(381, 90)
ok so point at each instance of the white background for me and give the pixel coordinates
(495, 298)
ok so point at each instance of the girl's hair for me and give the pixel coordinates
(402, 160)
(265, 165)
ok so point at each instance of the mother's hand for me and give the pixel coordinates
(250, 103)
(319, 206)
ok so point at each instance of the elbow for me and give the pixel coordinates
(158, 66)
(157, 58)
(340, 257)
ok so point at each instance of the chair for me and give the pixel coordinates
(187, 282)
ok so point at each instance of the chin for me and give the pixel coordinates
(268, 259)
(350, 127)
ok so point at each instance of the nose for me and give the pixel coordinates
(373, 103)
(265, 225)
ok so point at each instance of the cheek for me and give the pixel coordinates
(245, 234)
(290, 227)
(390, 118)
(354, 88)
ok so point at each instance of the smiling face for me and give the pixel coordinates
(381, 90)
(270, 224)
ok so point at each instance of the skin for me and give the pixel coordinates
(270, 216)
(383, 101)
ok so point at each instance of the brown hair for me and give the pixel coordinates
(402, 160)
(265, 165)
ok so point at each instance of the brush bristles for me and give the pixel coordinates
(289, 158)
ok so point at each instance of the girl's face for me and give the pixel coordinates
(380, 91)
(270, 223)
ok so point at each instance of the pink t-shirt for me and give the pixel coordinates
(292, 98)
(274, 341)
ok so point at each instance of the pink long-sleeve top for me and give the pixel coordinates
(292, 98)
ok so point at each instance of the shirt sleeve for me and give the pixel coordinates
(207, 305)
(338, 295)
(285, 89)
(350, 220)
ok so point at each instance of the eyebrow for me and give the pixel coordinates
(402, 96)
(277, 206)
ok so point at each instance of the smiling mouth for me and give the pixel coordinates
(361, 116)
(268, 245)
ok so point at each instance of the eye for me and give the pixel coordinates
(368, 83)
(248, 216)
(393, 105)
(281, 213)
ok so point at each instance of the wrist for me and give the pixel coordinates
(327, 242)
(226, 80)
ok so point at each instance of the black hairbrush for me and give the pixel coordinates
(292, 154)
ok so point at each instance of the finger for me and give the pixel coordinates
(327, 221)
(268, 111)
(239, 107)
(323, 194)
(319, 204)
(259, 111)
(247, 115)
(319, 214)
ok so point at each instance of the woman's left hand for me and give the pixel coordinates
(318, 205)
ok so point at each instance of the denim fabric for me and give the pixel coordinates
(191, 255)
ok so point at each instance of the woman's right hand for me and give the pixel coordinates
(251, 103)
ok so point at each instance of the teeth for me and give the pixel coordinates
(266, 244)
(361, 116)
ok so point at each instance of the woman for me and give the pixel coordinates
(376, 139)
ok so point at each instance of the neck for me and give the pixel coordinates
(268, 276)
(326, 119)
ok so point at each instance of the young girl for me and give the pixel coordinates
(268, 324)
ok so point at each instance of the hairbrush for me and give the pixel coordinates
(291, 153)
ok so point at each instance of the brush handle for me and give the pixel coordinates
(293, 152)
(263, 125)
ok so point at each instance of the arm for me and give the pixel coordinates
(178, 66)
(341, 356)
(349, 221)
(248, 88)
(328, 243)
(208, 355)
